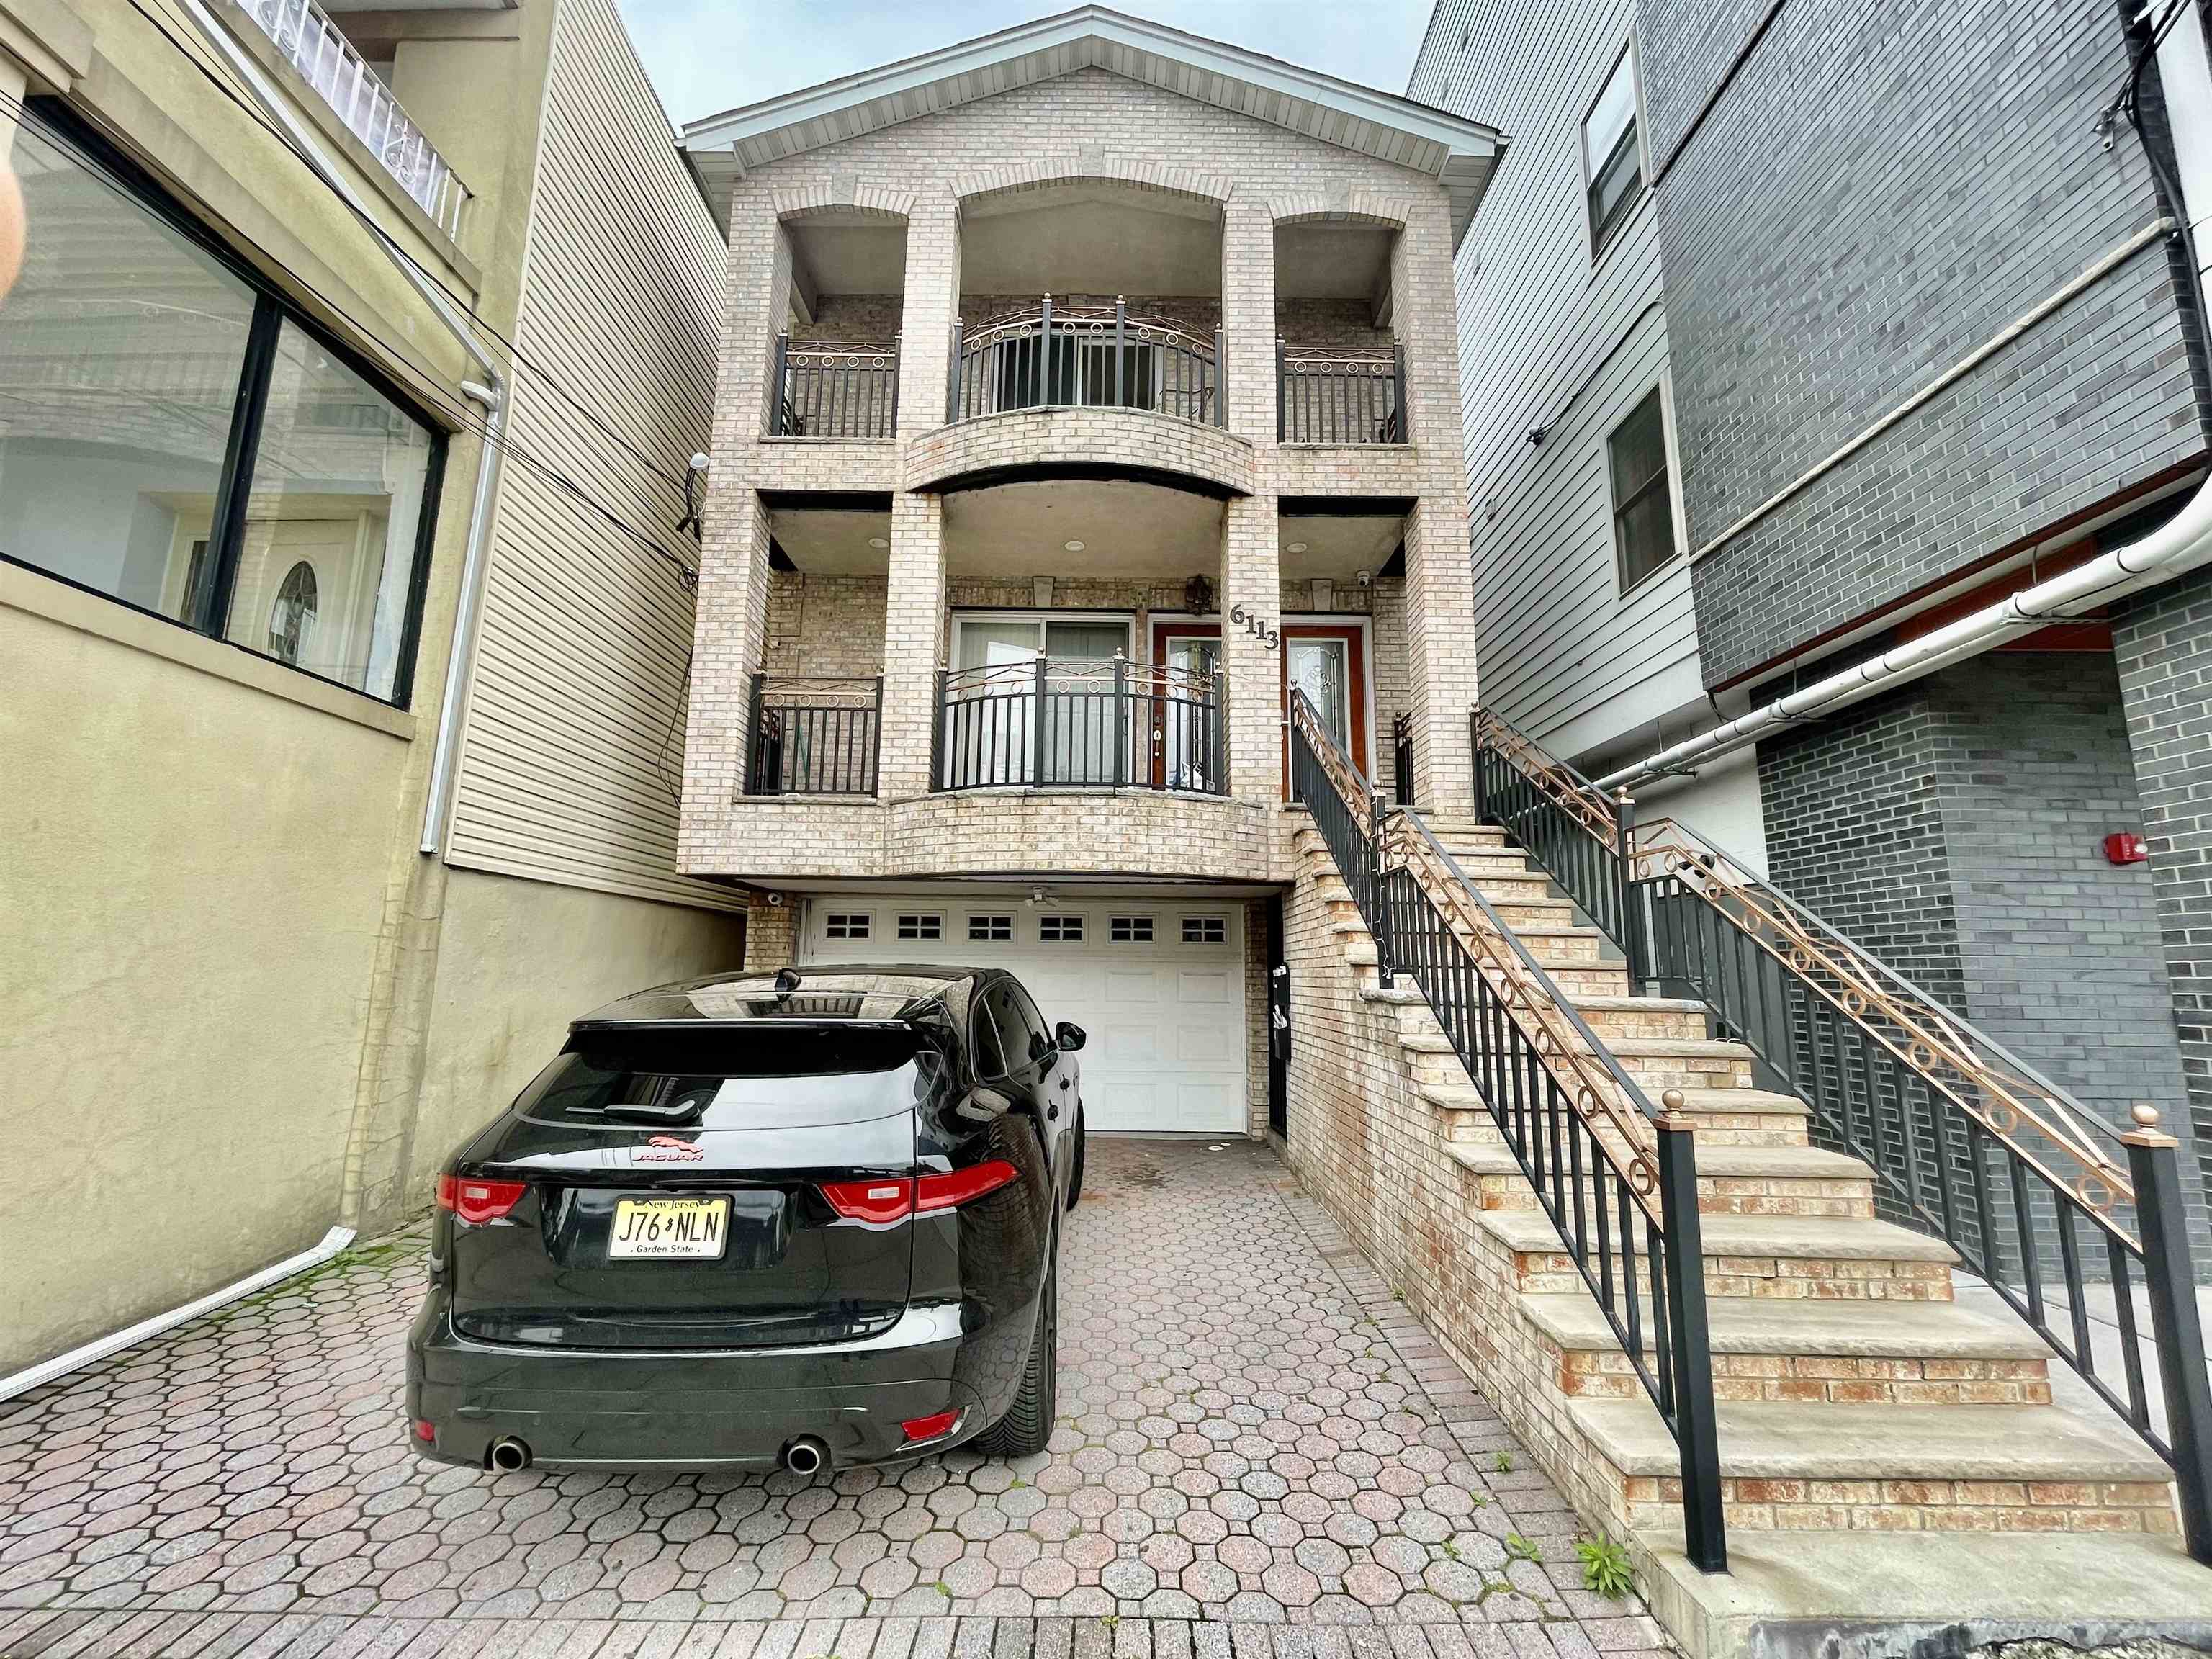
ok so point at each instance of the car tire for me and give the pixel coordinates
(1075, 1176)
(1027, 1425)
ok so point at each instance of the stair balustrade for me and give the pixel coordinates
(1616, 1177)
(2046, 1202)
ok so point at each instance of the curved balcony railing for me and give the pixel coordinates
(825, 389)
(1057, 723)
(1085, 356)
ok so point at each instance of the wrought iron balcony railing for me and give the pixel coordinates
(2042, 1200)
(1064, 724)
(826, 389)
(319, 49)
(814, 736)
(1077, 355)
(1340, 397)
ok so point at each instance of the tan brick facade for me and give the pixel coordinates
(1091, 127)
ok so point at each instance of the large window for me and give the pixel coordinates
(169, 436)
(1642, 506)
(1612, 159)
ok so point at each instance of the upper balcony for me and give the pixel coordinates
(363, 102)
(1077, 355)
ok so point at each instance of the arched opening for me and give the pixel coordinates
(837, 350)
(1341, 372)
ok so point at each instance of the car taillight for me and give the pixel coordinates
(934, 1427)
(957, 1187)
(893, 1199)
(888, 1199)
(478, 1202)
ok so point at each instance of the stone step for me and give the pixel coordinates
(1766, 1258)
(1659, 1064)
(1800, 1180)
(1612, 1018)
(1724, 1117)
(1844, 1469)
(1470, 832)
(1901, 1353)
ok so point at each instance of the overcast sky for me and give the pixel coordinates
(706, 56)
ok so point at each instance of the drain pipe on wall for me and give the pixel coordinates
(2181, 545)
(491, 394)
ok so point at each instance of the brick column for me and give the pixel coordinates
(1439, 578)
(771, 932)
(914, 642)
(933, 301)
(1251, 576)
(728, 630)
(1247, 318)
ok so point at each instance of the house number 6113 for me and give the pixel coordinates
(1270, 637)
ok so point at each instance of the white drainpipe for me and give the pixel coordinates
(2175, 547)
(492, 395)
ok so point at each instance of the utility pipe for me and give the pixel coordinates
(2179, 545)
(491, 394)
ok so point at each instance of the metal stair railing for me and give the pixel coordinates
(1616, 1177)
(1967, 1142)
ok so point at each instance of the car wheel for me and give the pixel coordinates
(1025, 1428)
(1075, 1176)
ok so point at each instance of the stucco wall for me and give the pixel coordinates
(520, 960)
(189, 922)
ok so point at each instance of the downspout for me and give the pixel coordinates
(491, 394)
(2179, 545)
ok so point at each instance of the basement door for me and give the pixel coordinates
(1156, 984)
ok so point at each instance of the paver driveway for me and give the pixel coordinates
(1251, 1432)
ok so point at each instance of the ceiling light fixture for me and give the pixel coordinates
(1298, 547)
(1072, 547)
(878, 541)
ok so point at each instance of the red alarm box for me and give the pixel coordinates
(2124, 846)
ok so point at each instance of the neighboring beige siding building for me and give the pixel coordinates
(1084, 387)
(239, 1004)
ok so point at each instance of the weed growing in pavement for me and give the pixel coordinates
(1605, 1567)
(1505, 1463)
(1520, 1548)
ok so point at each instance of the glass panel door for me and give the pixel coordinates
(1081, 707)
(991, 739)
(1193, 667)
(1321, 669)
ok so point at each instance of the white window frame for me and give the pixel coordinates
(1665, 387)
(1629, 55)
(1127, 619)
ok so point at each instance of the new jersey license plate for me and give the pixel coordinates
(670, 1229)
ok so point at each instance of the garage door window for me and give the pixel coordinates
(845, 925)
(1059, 930)
(1130, 930)
(924, 927)
(991, 930)
(1205, 930)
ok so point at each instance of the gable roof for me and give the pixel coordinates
(1460, 154)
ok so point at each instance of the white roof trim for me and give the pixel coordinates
(1457, 152)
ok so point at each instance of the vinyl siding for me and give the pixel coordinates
(1548, 339)
(572, 761)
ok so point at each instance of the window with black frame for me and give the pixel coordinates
(1643, 505)
(1612, 158)
(175, 439)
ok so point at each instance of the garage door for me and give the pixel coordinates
(1158, 987)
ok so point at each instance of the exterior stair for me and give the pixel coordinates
(1853, 1395)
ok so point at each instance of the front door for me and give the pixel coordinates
(1327, 661)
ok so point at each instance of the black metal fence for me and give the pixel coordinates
(1615, 1178)
(2073, 1223)
(1084, 355)
(1057, 723)
(1401, 760)
(814, 736)
(1340, 397)
(827, 391)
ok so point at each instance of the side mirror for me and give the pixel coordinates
(1068, 1036)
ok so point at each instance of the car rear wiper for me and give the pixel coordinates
(651, 1111)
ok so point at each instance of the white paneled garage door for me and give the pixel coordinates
(1157, 985)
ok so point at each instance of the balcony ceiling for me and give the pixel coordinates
(1337, 548)
(832, 543)
(1128, 530)
(1461, 155)
(1088, 239)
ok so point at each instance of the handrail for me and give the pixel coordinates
(1328, 395)
(1083, 356)
(814, 734)
(1558, 781)
(835, 389)
(1931, 1104)
(1583, 1131)
(1083, 723)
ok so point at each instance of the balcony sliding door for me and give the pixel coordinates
(991, 731)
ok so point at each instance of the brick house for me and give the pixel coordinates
(1084, 386)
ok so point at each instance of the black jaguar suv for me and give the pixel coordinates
(806, 1219)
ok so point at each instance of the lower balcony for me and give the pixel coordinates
(814, 735)
(1065, 723)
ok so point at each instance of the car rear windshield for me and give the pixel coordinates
(788, 1077)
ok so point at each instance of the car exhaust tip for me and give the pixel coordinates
(508, 1456)
(805, 1455)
